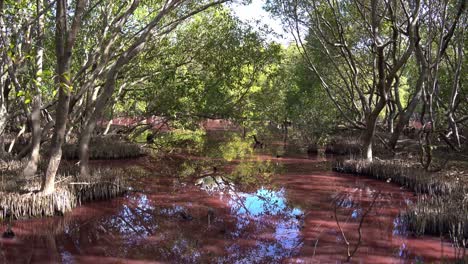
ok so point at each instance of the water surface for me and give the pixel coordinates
(302, 213)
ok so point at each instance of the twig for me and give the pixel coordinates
(62, 180)
(81, 183)
(351, 254)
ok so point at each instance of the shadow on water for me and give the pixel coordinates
(251, 209)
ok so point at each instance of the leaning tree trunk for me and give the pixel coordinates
(405, 116)
(31, 168)
(85, 137)
(403, 120)
(371, 123)
(134, 48)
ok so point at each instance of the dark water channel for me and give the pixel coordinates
(290, 218)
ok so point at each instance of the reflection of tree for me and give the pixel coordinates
(145, 226)
(350, 253)
(41, 247)
(254, 173)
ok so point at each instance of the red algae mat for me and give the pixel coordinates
(303, 215)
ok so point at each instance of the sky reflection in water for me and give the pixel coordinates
(267, 208)
(169, 221)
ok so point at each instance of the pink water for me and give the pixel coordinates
(291, 219)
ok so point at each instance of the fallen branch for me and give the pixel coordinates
(348, 244)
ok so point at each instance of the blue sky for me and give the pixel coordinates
(254, 11)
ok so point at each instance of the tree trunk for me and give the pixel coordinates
(369, 136)
(3, 85)
(85, 137)
(64, 40)
(108, 126)
(58, 138)
(18, 136)
(405, 115)
(285, 132)
(83, 149)
(403, 120)
(3, 114)
(3, 121)
(371, 123)
(31, 168)
(391, 110)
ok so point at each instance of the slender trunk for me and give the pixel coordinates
(369, 136)
(57, 139)
(85, 137)
(372, 116)
(404, 118)
(3, 80)
(405, 115)
(371, 123)
(83, 149)
(31, 168)
(391, 126)
(390, 118)
(3, 114)
(13, 142)
(285, 133)
(62, 84)
(108, 126)
(3, 121)
(65, 40)
(26, 150)
(3, 111)
(454, 95)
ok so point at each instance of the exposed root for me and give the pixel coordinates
(66, 197)
(442, 205)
